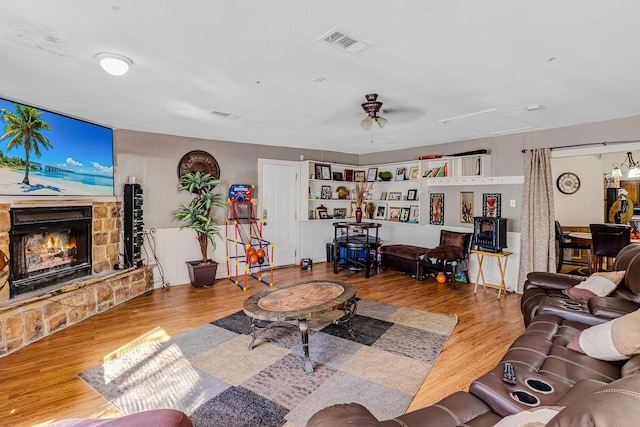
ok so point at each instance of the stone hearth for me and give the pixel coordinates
(25, 320)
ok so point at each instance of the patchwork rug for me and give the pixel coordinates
(210, 374)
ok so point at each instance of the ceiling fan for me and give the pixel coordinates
(372, 107)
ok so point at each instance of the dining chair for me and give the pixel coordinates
(565, 242)
(608, 240)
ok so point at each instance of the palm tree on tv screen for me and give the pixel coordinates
(23, 128)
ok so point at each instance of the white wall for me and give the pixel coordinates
(586, 205)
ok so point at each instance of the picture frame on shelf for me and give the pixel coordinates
(323, 171)
(359, 176)
(372, 174)
(414, 213)
(436, 209)
(413, 172)
(404, 214)
(492, 205)
(337, 176)
(400, 174)
(321, 212)
(348, 175)
(339, 213)
(466, 207)
(383, 195)
(394, 213)
(381, 211)
(395, 195)
(412, 195)
(325, 193)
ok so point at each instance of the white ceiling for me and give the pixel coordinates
(429, 61)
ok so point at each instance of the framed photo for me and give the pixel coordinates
(348, 175)
(326, 192)
(395, 195)
(400, 174)
(337, 176)
(359, 176)
(381, 211)
(321, 213)
(414, 213)
(413, 172)
(466, 207)
(323, 171)
(339, 213)
(394, 213)
(404, 215)
(412, 195)
(372, 173)
(383, 195)
(492, 205)
(436, 209)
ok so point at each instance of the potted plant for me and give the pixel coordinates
(197, 215)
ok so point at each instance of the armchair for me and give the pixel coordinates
(451, 256)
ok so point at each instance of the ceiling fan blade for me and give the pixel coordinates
(366, 123)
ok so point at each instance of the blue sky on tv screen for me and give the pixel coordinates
(78, 146)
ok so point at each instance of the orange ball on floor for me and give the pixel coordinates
(441, 278)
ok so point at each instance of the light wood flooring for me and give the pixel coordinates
(39, 383)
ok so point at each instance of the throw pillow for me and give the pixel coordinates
(615, 276)
(538, 417)
(618, 339)
(451, 238)
(594, 286)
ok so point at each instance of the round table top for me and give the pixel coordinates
(301, 300)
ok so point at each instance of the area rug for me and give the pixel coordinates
(210, 374)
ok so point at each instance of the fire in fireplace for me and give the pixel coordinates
(48, 245)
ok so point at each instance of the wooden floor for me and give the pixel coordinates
(39, 383)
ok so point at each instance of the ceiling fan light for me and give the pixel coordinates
(366, 123)
(381, 121)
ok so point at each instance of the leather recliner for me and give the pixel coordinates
(626, 298)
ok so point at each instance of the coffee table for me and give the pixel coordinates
(300, 301)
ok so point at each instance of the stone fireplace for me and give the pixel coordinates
(48, 246)
(63, 273)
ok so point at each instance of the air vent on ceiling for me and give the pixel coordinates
(344, 41)
(223, 114)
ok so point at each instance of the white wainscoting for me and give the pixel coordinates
(173, 248)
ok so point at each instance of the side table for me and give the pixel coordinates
(501, 258)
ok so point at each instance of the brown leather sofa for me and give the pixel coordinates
(152, 418)
(543, 292)
(450, 256)
(585, 390)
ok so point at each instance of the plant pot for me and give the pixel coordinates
(202, 274)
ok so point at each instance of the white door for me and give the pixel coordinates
(277, 201)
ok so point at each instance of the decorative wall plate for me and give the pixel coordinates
(568, 183)
(198, 161)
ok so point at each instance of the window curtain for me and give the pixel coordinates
(537, 233)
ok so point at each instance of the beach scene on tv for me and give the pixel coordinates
(48, 154)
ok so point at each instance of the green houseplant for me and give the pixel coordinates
(198, 216)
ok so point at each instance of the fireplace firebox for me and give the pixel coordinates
(48, 246)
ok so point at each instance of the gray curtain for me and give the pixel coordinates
(537, 232)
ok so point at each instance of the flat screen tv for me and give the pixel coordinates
(48, 154)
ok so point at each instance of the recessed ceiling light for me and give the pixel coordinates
(533, 107)
(114, 64)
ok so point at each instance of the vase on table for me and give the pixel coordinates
(358, 214)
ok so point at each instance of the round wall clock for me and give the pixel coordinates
(198, 161)
(568, 183)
